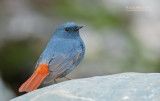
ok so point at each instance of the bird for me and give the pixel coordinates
(64, 51)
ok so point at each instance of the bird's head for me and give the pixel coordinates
(68, 30)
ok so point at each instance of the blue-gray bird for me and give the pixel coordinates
(62, 54)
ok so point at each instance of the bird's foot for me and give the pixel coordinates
(55, 81)
(67, 78)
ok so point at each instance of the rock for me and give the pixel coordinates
(118, 87)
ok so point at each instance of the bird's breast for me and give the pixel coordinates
(60, 46)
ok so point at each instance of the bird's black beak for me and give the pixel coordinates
(79, 27)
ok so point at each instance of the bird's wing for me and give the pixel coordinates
(60, 63)
(38, 62)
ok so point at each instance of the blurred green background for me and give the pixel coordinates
(116, 40)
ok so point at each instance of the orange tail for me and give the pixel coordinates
(35, 80)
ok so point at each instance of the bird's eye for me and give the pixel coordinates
(67, 29)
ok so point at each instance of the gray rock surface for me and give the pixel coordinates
(118, 87)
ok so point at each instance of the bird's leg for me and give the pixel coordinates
(67, 78)
(55, 81)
